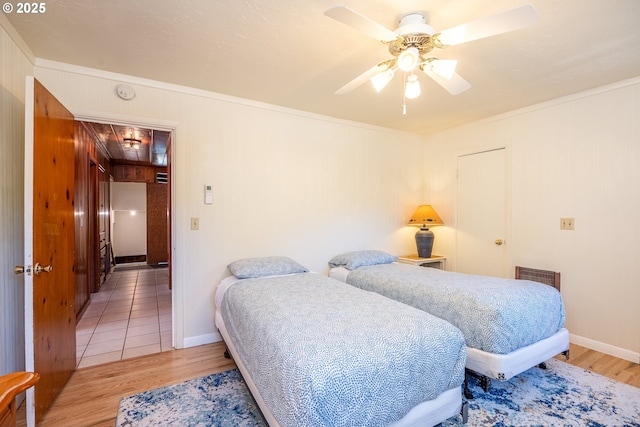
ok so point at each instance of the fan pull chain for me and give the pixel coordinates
(404, 96)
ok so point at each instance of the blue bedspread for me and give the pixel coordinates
(322, 353)
(495, 315)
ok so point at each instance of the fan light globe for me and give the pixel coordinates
(409, 58)
(412, 88)
(380, 80)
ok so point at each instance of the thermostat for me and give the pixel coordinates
(208, 195)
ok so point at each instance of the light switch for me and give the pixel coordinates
(195, 223)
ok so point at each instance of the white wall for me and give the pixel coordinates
(284, 182)
(574, 157)
(15, 65)
(290, 183)
(129, 218)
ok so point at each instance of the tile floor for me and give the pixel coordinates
(130, 316)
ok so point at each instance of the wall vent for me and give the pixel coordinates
(547, 277)
(161, 177)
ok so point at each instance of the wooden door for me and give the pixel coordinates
(50, 323)
(482, 214)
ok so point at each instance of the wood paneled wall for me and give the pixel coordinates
(81, 207)
(135, 173)
(87, 249)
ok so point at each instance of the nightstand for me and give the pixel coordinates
(436, 261)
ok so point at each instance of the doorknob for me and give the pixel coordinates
(498, 242)
(19, 269)
(39, 269)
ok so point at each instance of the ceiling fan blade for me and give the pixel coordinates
(454, 85)
(362, 78)
(361, 23)
(503, 22)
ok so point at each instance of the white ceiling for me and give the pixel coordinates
(288, 53)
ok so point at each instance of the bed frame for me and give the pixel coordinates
(486, 366)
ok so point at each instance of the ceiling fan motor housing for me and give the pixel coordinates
(414, 23)
(414, 32)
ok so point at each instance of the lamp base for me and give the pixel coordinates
(424, 242)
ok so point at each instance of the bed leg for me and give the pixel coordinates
(542, 365)
(464, 411)
(566, 354)
(226, 354)
(485, 383)
(467, 393)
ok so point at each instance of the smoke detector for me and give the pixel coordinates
(125, 92)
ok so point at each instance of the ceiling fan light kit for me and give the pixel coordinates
(380, 80)
(412, 87)
(409, 59)
(410, 43)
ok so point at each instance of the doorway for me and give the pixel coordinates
(130, 308)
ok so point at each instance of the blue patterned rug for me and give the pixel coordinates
(221, 400)
(562, 395)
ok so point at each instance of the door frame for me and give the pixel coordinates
(177, 291)
(482, 148)
(93, 258)
(28, 253)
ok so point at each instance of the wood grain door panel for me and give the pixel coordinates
(54, 321)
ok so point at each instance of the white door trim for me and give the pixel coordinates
(29, 349)
(177, 291)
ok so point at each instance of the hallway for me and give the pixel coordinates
(130, 316)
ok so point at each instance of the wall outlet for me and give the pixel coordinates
(567, 224)
(195, 223)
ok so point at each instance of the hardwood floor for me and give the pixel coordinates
(603, 364)
(91, 396)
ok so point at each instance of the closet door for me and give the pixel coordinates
(482, 220)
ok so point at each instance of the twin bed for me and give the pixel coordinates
(509, 325)
(317, 352)
(384, 344)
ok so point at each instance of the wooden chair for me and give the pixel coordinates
(547, 277)
(10, 386)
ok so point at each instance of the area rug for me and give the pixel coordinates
(221, 400)
(561, 395)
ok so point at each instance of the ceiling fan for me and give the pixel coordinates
(412, 42)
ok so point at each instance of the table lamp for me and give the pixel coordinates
(425, 217)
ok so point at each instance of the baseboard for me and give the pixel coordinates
(201, 340)
(609, 349)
